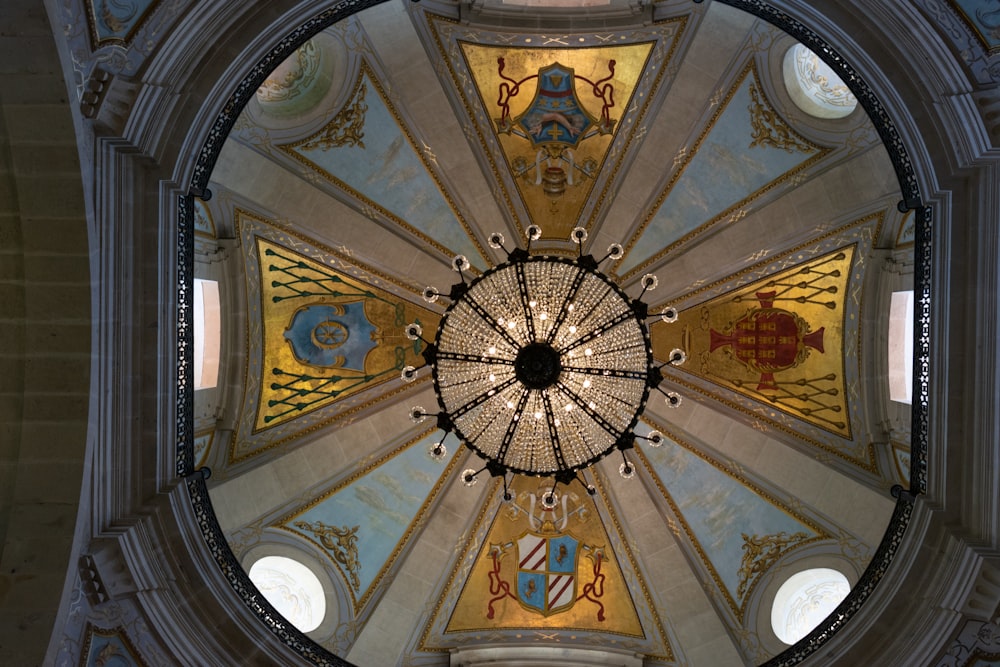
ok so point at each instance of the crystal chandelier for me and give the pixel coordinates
(542, 365)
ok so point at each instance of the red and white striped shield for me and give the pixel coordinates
(546, 572)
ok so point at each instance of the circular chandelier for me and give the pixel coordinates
(542, 365)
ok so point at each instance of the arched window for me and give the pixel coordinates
(901, 347)
(207, 333)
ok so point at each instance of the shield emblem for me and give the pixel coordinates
(546, 573)
(769, 340)
(332, 336)
(555, 115)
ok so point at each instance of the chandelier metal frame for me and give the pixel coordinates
(542, 365)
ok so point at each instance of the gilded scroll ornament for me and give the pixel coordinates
(769, 129)
(346, 129)
(760, 552)
(342, 543)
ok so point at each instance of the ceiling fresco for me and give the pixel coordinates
(534, 570)
(367, 152)
(563, 178)
(401, 137)
(321, 329)
(769, 340)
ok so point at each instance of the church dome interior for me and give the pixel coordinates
(506, 332)
(717, 150)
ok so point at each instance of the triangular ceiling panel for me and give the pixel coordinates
(367, 151)
(743, 150)
(323, 330)
(558, 571)
(736, 530)
(779, 340)
(556, 115)
(363, 523)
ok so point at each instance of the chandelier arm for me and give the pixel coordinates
(563, 312)
(489, 319)
(511, 429)
(550, 420)
(462, 356)
(624, 316)
(522, 288)
(623, 348)
(479, 400)
(593, 414)
(607, 372)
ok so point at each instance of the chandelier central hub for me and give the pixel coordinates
(537, 365)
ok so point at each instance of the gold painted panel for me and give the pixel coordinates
(527, 552)
(555, 114)
(326, 335)
(779, 340)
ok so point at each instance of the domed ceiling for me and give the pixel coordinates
(733, 167)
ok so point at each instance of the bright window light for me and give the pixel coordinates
(207, 333)
(292, 589)
(805, 600)
(901, 347)
(814, 86)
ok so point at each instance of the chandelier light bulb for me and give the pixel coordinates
(673, 399)
(417, 414)
(408, 374)
(437, 451)
(678, 356)
(616, 251)
(578, 235)
(460, 263)
(649, 282)
(655, 438)
(430, 294)
(496, 240)
(534, 232)
(626, 470)
(469, 477)
(549, 500)
(414, 331)
(668, 314)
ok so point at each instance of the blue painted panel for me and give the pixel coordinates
(718, 508)
(383, 503)
(723, 172)
(984, 15)
(385, 167)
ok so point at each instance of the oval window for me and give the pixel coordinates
(805, 600)
(292, 589)
(813, 85)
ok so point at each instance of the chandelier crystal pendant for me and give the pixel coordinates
(542, 365)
